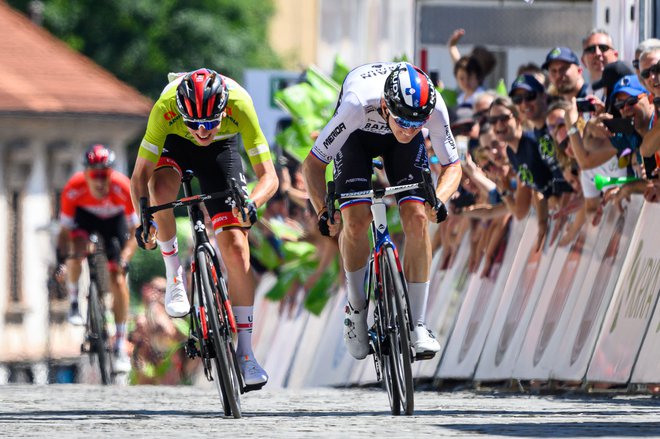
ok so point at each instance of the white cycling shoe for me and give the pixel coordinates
(424, 342)
(254, 376)
(176, 298)
(121, 361)
(356, 334)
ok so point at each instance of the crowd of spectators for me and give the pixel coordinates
(542, 146)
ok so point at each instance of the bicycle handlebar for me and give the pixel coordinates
(239, 198)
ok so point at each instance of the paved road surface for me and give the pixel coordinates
(146, 411)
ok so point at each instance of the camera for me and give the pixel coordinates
(584, 105)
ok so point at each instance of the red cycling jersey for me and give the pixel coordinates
(76, 194)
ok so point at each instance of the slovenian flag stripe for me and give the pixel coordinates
(415, 87)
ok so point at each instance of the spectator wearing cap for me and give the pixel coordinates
(533, 69)
(597, 52)
(649, 70)
(631, 99)
(610, 76)
(565, 73)
(645, 45)
(528, 94)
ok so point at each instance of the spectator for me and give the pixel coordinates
(597, 52)
(645, 45)
(534, 70)
(565, 73)
(649, 70)
(529, 97)
(481, 105)
(610, 76)
(469, 76)
(533, 169)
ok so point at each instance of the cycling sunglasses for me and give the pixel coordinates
(592, 49)
(501, 118)
(408, 124)
(207, 124)
(99, 174)
(527, 97)
(655, 69)
(632, 100)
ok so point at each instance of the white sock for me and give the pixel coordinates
(120, 336)
(244, 318)
(72, 287)
(355, 281)
(170, 251)
(418, 294)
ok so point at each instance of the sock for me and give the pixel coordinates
(72, 287)
(120, 336)
(244, 318)
(418, 294)
(355, 282)
(170, 252)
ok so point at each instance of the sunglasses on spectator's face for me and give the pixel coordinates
(553, 127)
(635, 64)
(501, 118)
(632, 100)
(99, 174)
(481, 116)
(592, 49)
(527, 97)
(207, 124)
(655, 69)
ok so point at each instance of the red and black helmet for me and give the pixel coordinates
(98, 157)
(202, 95)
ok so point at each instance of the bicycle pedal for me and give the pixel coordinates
(251, 387)
(426, 355)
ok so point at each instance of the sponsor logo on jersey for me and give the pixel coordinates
(378, 70)
(333, 135)
(169, 115)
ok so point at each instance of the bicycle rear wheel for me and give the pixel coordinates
(97, 333)
(223, 364)
(399, 333)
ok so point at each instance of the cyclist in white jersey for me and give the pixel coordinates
(381, 111)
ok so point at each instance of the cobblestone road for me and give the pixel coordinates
(145, 411)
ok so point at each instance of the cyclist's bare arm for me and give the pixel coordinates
(130, 246)
(142, 172)
(448, 182)
(267, 182)
(313, 171)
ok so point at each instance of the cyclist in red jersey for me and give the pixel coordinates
(98, 200)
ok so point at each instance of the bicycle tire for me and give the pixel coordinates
(223, 371)
(385, 360)
(399, 336)
(98, 335)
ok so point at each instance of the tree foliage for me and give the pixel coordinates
(141, 40)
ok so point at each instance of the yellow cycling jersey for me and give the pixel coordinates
(241, 118)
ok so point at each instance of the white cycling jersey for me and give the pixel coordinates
(358, 107)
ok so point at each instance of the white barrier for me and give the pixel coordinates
(574, 349)
(632, 305)
(515, 309)
(475, 316)
(560, 291)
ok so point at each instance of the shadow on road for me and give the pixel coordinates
(561, 429)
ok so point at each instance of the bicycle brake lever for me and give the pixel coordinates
(330, 201)
(239, 200)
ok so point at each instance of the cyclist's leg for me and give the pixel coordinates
(163, 188)
(235, 251)
(79, 242)
(405, 164)
(114, 234)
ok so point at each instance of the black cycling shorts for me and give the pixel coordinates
(404, 163)
(214, 166)
(112, 230)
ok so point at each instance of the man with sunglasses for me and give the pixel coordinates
(649, 70)
(528, 94)
(381, 111)
(195, 125)
(597, 52)
(98, 200)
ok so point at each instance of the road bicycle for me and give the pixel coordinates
(390, 344)
(212, 323)
(97, 340)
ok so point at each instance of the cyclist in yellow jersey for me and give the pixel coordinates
(195, 125)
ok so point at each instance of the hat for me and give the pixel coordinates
(560, 54)
(526, 82)
(611, 74)
(628, 84)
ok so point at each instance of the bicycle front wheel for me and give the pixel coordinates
(98, 336)
(394, 296)
(223, 364)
